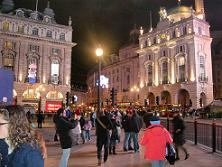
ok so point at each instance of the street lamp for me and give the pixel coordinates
(134, 90)
(99, 53)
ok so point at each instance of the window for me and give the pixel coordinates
(199, 31)
(202, 68)
(117, 79)
(32, 69)
(49, 34)
(21, 29)
(150, 75)
(56, 51)
(5, 26)
(128, 69)
(174, 34)
(184, 30)
(181, 68)
(35, 31)
(180, 49)
(164, 53)
(149, 57)
(34, 48)
(128, 79)
(55, 72)
(9, 45)
(62, 37)
(165, 72)
(8, 61)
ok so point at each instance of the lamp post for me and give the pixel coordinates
(39, 90)
(134, 90)
(99, 53)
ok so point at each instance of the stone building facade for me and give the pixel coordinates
(175, 59)
(38, 50)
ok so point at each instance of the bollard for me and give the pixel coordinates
(195, 131)
(214, 136)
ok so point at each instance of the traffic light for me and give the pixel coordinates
(67, 98)
(157, 100)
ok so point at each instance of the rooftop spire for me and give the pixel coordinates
(48, 4)
(36, 5)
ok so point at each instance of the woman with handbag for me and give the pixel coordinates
(155, 139)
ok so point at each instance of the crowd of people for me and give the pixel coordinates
(19, 137)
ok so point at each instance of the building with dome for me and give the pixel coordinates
(175, 59)
(38, 51)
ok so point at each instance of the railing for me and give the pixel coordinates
(206, 134)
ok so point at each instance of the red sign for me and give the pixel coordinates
(53, 106)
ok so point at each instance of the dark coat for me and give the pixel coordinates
(178, 137)
(26, 156)
(63, 127)
(82, 122)
(125, 123)
(3, 153)
(100, 131)
(114, 134)
(135, 123)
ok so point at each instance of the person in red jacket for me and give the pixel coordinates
(154, 139)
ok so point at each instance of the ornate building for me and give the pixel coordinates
(38, 50)
(175, 58)
(123, 73)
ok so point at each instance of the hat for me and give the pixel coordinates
(154, 120)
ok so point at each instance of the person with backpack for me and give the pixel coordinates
(155, 139)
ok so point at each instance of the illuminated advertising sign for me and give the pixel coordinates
(53, 106)
(32, 73)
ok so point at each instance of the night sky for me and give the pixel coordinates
(108, 22)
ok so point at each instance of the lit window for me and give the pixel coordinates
(165, 72)
(55, 72)
(32, 70)
(21, 29)
(150, 75)
(9, 45)
(5, 26)
(181, 67)
(8, 61)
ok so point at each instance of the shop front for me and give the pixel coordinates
(54, 100)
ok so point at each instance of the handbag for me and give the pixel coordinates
(170, 154)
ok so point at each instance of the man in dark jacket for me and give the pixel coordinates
(135, 124)
(82, 123)
(63, 126)
(103, 125)
(178, 135)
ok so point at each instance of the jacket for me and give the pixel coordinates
(101, 132)
(154, 139)
(63, 127)
(3, 153)
(26, 156)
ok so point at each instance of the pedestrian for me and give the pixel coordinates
(114, 135)
(63, 126)
(178, 135)
(82, 123)
(135, 125)
(24, 147)
(55, 117)
(155, 139)
(125, 124)
(40, 119)
(87, 128)
(4, 120)
(103, 126)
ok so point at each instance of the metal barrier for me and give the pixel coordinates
(207, 134)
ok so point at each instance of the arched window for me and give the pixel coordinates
(49, 34)
(35, 31)
(150, 75)
(55, 71)
(165, 72)
(5, 26)
(202, 68)
(181, 68)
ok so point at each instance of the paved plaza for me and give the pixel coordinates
(85, 155)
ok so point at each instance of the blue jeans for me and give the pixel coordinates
(135, 141)
(87, 134)
(65, 157)
(126, 140)
(159, 163)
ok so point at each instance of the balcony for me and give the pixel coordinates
(202, 79)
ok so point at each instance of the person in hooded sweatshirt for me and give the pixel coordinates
(154, 139)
